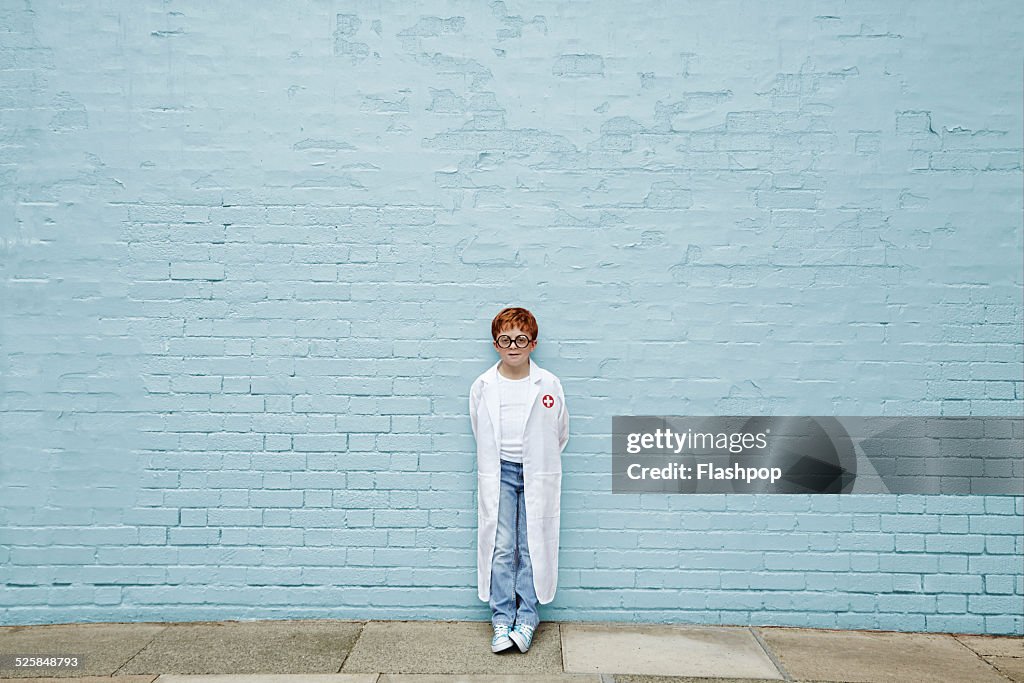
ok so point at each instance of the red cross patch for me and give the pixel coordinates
(548, 400)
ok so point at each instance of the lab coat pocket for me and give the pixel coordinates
(550, 488)
(487, 492)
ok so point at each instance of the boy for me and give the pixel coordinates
(521, 426)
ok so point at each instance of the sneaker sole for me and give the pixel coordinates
(502, 648)
(514, 637)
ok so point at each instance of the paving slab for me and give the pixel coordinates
(250, 647)
(104, 647)
(665, 650)
(1011, 667)
(82, 679)
(995, 646)
(263, 678)
(635, 678)
(490, 678)
(449, 647)
(876, 656)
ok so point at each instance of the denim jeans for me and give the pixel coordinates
(511, 571)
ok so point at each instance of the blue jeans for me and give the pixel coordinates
(511, 571)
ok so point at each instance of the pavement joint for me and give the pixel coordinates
(137, 652)
(754, 631)
(341, 667)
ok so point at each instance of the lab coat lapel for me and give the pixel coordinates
(492, 400)
(531, 400)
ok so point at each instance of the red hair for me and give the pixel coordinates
(514, 317)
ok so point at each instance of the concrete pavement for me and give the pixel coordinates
(334, 651)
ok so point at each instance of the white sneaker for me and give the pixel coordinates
(523, 636)
(500, 641)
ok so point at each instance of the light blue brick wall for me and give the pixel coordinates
(250, 256)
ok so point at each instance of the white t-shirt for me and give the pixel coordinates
(514, 393)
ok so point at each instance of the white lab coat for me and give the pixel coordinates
(547, 432)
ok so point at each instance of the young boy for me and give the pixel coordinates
(521, 426)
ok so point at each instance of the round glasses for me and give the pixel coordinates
(505, 341)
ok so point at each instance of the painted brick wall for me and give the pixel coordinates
(250, 256)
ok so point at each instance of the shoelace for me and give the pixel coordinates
(527, 629)
(501, 630)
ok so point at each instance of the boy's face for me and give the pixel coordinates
(514, 357)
